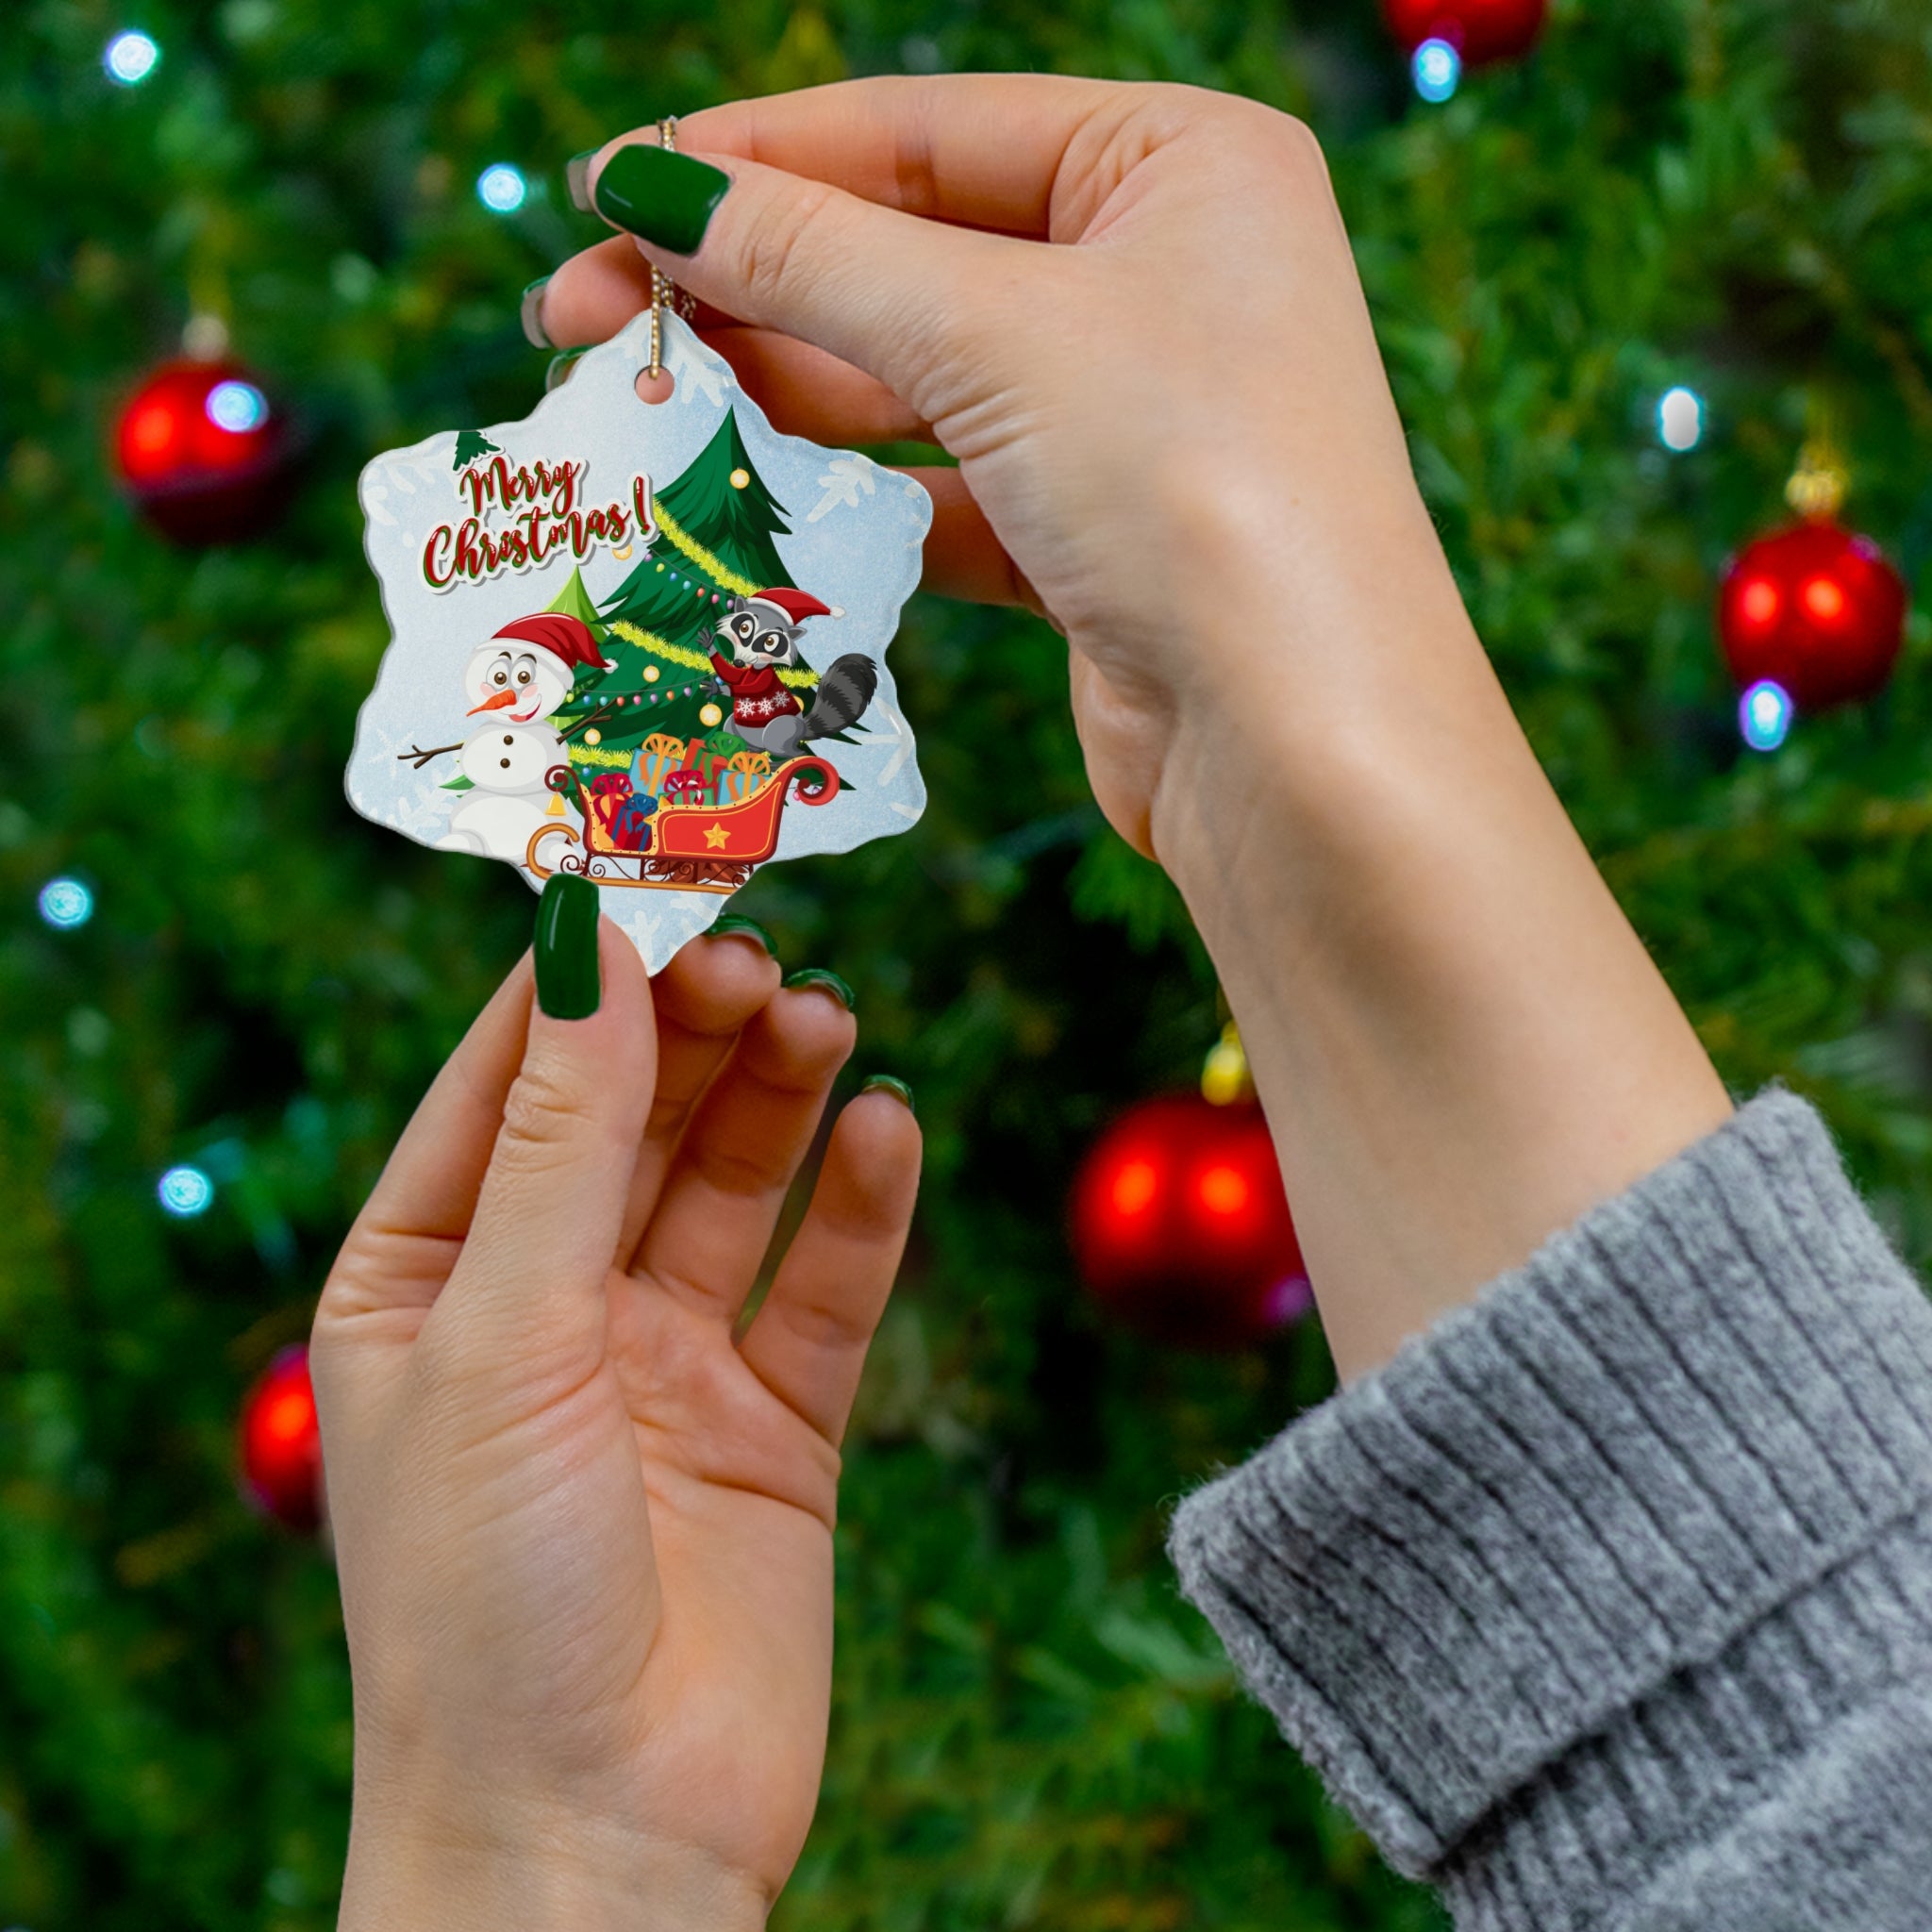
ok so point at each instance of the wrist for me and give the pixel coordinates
(487, 1874)
(1460, 1043)
(1334, 691)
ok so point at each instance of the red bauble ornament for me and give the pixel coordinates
(204, 453)
(1815, 608)
(1181, 1227)
(281, 1446)
(1479, 30)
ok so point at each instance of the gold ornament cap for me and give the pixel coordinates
(1224, 1076)
(1818, 485)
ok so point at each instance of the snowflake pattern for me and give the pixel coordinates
(889, 729)
(697, 377)
(845, 480)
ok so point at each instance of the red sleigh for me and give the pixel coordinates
(691, 848)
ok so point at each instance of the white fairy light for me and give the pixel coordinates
(185, 1192)
(1764, 715)
(501, 187)
(130, 57)
(236, 406)
(65, 904)
(1680, 419)
(1437, 68)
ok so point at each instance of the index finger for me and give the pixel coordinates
(982, 150)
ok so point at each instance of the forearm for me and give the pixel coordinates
(1461, 1042)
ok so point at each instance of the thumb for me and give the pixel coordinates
(529, 1283)
(889, 293)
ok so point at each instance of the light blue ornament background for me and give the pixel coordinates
(856, 532)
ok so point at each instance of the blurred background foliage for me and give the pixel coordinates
(1031, 1728)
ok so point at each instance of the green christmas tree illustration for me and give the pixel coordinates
(471, 444)
(716, 523)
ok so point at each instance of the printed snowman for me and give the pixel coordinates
(513, 691)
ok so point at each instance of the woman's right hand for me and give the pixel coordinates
(1174, 436)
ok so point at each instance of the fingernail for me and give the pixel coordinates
(576, 177)
(667, 198)
(530, 311)
(819, 976)
(568, 983)
(887, 1083)
(737, 922)
(560, 369)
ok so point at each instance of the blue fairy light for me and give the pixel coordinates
(65, 904)
(1680, 419)
(236, 406)
(185, 1192)
(1764, 715)
(1437, 68)
(501, 187)
(130, 57)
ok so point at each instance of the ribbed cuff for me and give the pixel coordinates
(1509, 1572)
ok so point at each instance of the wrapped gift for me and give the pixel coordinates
(609, 793)
(683, 787)
(659, 756)
(608, 790)
(707, 764)
(743, 773)
(630, 829)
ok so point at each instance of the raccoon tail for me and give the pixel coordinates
(843, 692)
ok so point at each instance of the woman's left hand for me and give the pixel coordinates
(584, 1533)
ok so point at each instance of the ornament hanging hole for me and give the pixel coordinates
(654, 388)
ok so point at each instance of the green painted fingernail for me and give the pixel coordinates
(560, 369)
(667, 198)
(888, 1083)
(530, 313)
(568, 982)
(576, 177)
(737, 922)
(821, 976)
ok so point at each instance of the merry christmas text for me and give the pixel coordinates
(543, 512)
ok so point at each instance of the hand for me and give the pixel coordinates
(585, 1539)
(1176, 439)
(1181, 403)
(1133, 316)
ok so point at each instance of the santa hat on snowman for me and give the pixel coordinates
(532, 684)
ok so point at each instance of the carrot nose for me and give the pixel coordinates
(495, 703)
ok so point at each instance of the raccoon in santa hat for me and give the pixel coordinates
(761, 632)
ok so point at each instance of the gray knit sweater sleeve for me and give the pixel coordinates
(1608, 1604)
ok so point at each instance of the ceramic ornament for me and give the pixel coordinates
(645, 642)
